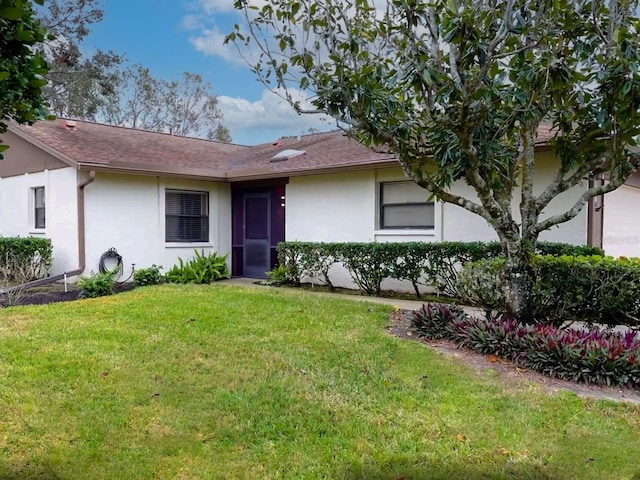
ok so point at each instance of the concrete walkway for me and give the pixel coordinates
(394, 302)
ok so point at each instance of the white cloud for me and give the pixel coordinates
(271, 116)
(215, 6)
(191, 22)
(211, 42)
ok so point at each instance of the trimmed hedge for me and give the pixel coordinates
(602, 357)
(428, 264)
(23, 259)
(592, 289)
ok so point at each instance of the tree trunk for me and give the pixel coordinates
(518, 279)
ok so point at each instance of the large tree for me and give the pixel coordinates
(21, 69)
(457, 89)
(184, 107)
(77, 84)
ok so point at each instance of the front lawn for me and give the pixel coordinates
(207, 382)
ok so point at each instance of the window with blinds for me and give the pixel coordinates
(186, 216)
(39, 209)
(405, 205)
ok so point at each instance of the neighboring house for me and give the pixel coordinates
(155, 197)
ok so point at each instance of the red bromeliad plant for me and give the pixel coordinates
(603, 357)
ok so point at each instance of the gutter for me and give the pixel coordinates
(81, 245)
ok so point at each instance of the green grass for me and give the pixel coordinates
(207, 382)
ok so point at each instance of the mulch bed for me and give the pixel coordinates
(508, 372)
(54, 295)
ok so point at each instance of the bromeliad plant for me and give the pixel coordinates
(434, 319)
(597, 356)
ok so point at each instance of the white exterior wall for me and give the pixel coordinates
(127, 212)
(344, 208)
(621, 232)
(17, 212)
(331, 208)
(461, 225)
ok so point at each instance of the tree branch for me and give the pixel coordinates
(580, 203)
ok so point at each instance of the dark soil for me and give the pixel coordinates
(508, 372)
(50, 294)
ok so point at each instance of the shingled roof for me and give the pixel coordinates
(319, 152)
(105, 147)
(119, 148)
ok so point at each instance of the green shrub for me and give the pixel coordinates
(147, 276)
(594, 289)
(434, 265)
(23, 259)
(200, 269)
(479, 284)
(277, 275)
(97, 284)
(317, 259)
(368, 264)
(290, 258)
(590, 289)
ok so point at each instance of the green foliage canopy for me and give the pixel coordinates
(22, 70)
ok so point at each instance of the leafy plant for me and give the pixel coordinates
(433, 319)
(597, 356)
(97, 284)
(200, 269)
(277, 275)
(478, 283)
(147, 276)
(23, 259)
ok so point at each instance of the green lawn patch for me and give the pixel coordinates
(196, 382)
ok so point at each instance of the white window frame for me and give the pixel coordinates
(186, 242)
(33, 208)
(381, 228)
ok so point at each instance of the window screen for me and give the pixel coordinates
(405, 205)
(187, 216)
(39, 208)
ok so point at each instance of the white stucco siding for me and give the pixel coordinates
(621, 232)
(331, 208)
(461, 225)
(127, 212)
(344, 208)
(574, 231)
(17, 212)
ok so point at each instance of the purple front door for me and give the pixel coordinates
(257, 234)
(258, 227)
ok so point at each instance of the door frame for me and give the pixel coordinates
(277, 190)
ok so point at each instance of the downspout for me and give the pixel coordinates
(81, 245)
(595, 215)
(81, 226)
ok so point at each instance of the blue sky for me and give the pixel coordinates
(174, 36)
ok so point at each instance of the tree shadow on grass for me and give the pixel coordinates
(405, 469)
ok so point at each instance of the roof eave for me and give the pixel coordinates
(164, 171)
